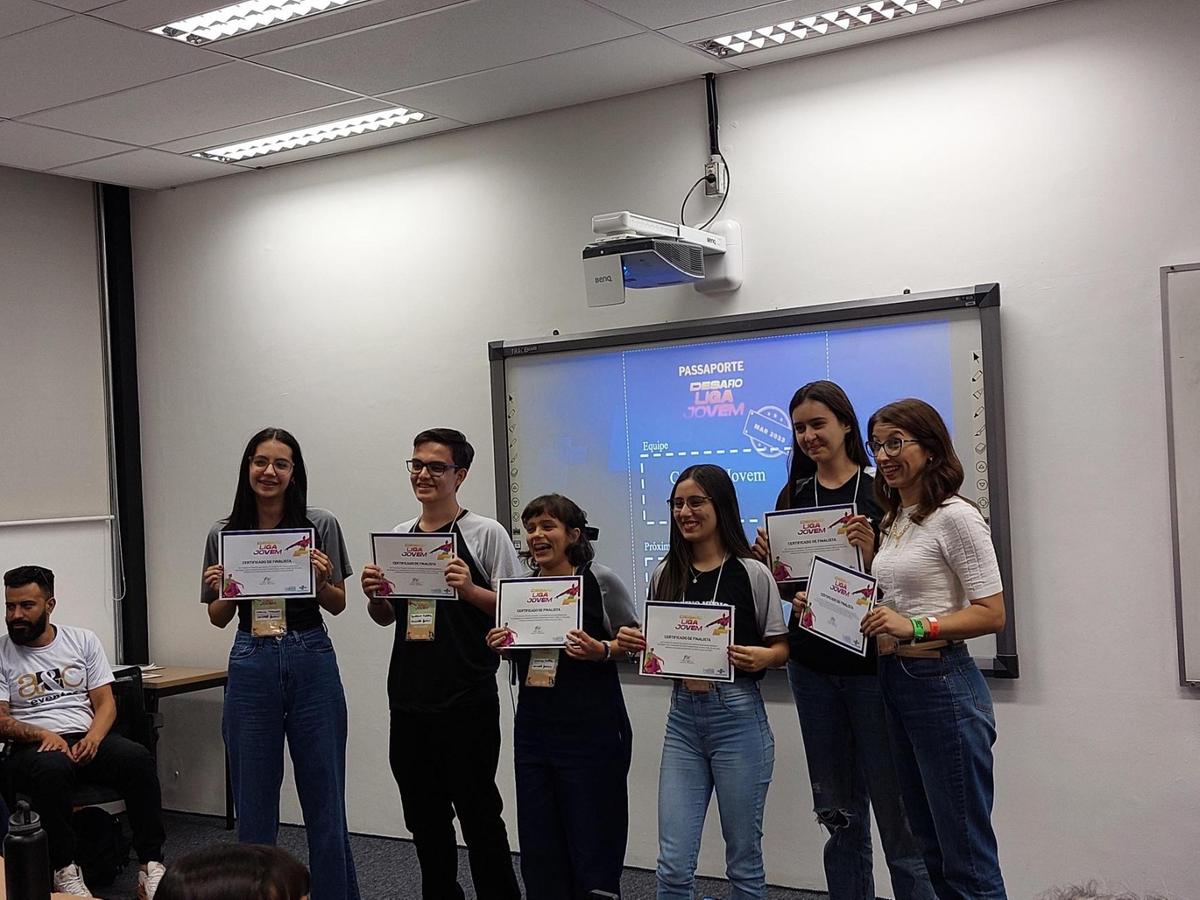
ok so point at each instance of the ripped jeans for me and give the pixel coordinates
(844, 726)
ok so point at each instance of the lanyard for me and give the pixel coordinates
(817, 488)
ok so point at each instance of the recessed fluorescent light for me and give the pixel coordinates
(316, 134)
(836, 21)
(240, 18)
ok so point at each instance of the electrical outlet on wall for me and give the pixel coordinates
(716, 177)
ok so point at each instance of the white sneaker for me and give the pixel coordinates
(69, 880)
(148, 879)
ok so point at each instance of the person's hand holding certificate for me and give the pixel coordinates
(414, 565)
(838, 599)
(795, 536)
(268, 563)
(688, 640)
(538, 612)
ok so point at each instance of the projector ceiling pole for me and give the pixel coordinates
(710, 91)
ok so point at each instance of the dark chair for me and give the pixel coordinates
(132, 722)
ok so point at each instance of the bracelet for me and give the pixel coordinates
(918, 629)
(934, 626)
(607, 650)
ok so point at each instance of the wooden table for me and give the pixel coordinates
(4, 893)
(171, 681)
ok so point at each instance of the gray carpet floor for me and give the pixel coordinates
(387, 867)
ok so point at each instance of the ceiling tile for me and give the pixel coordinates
(30, 147)
(209, 100)
(457, 41)
(661, 13)
(21, 15)
(148, 169)
(273, 126)
(79, 5)
(149, 13)
(591, 73)
(80, 57)
(361, 142)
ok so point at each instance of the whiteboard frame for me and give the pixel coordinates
(983, 297)
(1164, 276)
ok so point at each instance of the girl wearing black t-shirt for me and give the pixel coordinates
(572, 741)
(717, 732)
(837, 693)
(283, 675)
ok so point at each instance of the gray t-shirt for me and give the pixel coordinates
(301, 614)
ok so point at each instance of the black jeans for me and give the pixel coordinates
(49, 779)
(572, 803)
(445, 764)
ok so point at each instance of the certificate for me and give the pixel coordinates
(414, 564)
(797, 535)
(539, 611)
(688, 640)
(268, 563)
(838, 600)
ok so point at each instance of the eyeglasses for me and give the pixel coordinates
(281, 466)
(892, 446)
(435, 469)
(694, 502)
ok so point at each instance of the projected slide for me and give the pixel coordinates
(613, 428)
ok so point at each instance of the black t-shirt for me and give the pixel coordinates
(734, 589)
(583, 689)
(808, 649)
(456, 668)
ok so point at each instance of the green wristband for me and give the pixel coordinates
(918, 629)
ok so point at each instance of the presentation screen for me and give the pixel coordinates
(611, 419)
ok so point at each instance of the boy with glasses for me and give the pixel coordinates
(445, 709)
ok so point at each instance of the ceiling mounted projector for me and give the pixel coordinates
(639, 252)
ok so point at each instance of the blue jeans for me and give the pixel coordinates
(290, 687)
(942, 728)
(850, 768)
(719, 739)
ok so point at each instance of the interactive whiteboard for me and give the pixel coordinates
(611, 418)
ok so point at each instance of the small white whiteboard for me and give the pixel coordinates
(1181, 357)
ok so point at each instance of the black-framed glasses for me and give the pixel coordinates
(892, 446)
(694, 502)
(435, 469)
(282, 466)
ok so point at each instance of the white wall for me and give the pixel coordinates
(53, 442)
(1053, 151)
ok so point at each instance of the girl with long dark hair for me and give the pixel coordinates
(837, 694)
(283, 674)
(572, 741)
(940, 584)
(717, 735)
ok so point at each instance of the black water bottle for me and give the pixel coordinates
(26, 856)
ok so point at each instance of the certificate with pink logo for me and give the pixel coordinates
(414, 564)
(268, 563)
(539, 611)
(797, 535)
(838, 599)
(687, 640)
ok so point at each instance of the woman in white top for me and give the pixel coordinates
(939, 585)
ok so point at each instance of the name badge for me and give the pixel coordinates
(543, 667)
(421, 617)
(268, 617)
